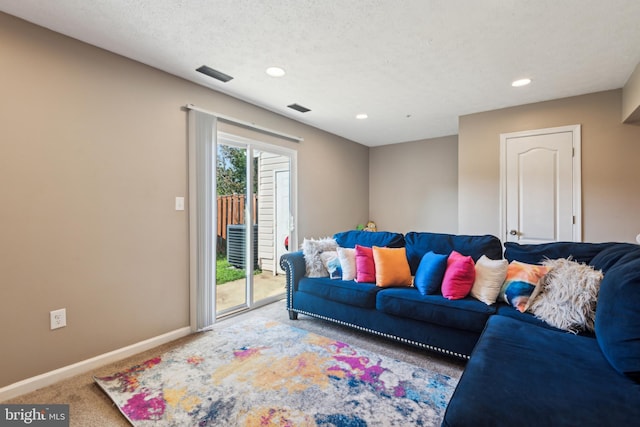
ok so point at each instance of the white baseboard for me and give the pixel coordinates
(48, 378)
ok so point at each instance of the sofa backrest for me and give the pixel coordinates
(351, 238)
(618, 317)
(419, 243)
(536, 253)
(610, 256)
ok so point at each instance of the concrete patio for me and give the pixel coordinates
(265, 285)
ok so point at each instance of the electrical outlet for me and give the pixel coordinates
(58, 318)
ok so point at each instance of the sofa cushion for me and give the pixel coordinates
(419, 243)
(348, 292)
(430, 273)
(618, 316)
(351, 238)
(468, 313)
(608, 257)
(536, 253)
(523, 375)
(504, 309)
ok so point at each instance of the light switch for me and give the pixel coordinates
(179, 203)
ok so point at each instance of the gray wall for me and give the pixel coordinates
(610, 172)
(93, 151)
(414, 186)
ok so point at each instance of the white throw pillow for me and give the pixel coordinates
(347, 259)
(311, 249)
(490, 274)
(568, 295)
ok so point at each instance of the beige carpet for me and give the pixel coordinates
(89, 406)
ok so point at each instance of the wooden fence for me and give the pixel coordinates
(231, 210)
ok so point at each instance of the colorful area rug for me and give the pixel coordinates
(264, 373)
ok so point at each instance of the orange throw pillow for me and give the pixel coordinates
(392, 267)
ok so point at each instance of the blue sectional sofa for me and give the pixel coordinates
(520, 370)
(523, 374)
(432, 322)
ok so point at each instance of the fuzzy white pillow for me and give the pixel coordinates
(311, 249)
(347, 257)
(490, 274)
(568, 295)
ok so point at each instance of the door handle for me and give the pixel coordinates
(513, 232)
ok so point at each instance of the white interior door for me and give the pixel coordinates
(541, 185)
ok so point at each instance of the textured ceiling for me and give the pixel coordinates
(413, 66)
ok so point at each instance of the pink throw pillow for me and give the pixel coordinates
(459, 276)
(365, 267)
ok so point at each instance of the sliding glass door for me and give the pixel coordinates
(254, 218)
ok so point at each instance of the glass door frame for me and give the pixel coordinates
(251, 146)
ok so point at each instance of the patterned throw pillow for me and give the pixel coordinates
(392, 267)
(521, 281)
(332, 264)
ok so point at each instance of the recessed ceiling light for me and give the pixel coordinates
(361, 116)
(521, 82)
(275, 71)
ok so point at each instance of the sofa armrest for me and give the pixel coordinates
(295, 268)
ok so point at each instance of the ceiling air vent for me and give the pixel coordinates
(299, 107)
(214, 73)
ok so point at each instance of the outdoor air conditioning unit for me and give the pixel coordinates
(236, 238)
